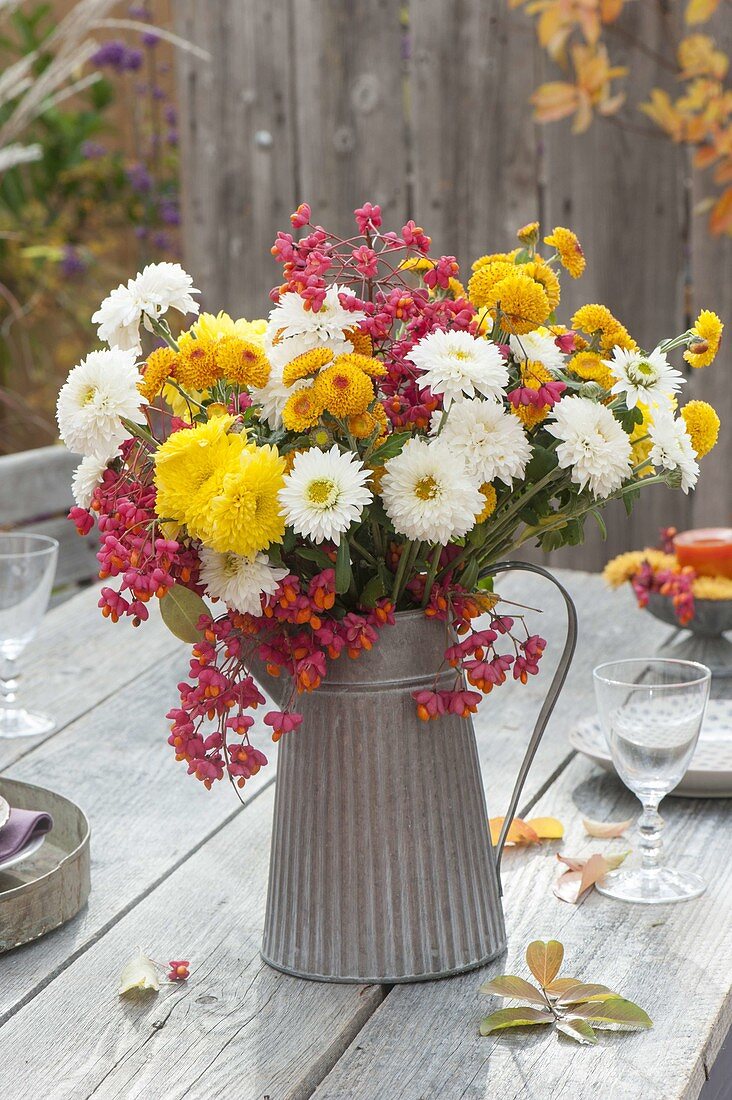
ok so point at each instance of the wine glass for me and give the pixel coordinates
(651, 711)
(27, 569)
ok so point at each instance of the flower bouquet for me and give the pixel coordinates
(286, 488)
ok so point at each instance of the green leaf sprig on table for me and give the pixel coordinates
(574, 1007)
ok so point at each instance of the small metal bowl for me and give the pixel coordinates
(706, 643)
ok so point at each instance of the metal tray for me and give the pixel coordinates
(51, 886)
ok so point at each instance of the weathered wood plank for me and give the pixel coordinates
(348, 109)
(237, 147)
(675, 960)
(620, 190)
(236, 1029)
(146, 814)
(35, 484)
(474, 145)
(79, 659)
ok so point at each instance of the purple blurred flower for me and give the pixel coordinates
(72, 263)
(139, 178)
(172, 137)
(149, 39)
(140, 232)
(133, 60)
(116, 55)
(92, 150)
(140, 12)
(170, 114)
(158, 93)
(169, 212)
(161, 241)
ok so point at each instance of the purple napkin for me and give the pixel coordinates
(20, 829)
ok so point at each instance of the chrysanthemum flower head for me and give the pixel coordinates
(592, 445)
(533, 376)
(588, 365)
(520, 301)
(672, 448)
(529, 234)
(302, 409)
(156, 289)
(324, 493)
(571, 256)
(541, 273)
(485, 277)
(373, 367)
(188, 461)
(702, 424)
(99, 391)
(291, 317)
(364, 424)
(343, 389)
(647, 378)
(361, 341)
(428, 494)
(244, 516)
(708, 332)
(641, 442)
(306, 365)
(240, 581)
(87, 475)
(495, 257)
(158, 368)
(598, 321)
(540, 346)
(490, 499)
(489, 441)
(457, 365)
(241, 361)
(196, 367)
(214, 327)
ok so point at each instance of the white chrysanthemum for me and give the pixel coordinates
(593, 444)
(540, 346)
(290, 317)
(644, 378)
(458, 365)
(324, 493)
(87, 475)
(155, 290)
(239, 581)
(97, 393)
(490, 441)
(428, 494)
(672, 448)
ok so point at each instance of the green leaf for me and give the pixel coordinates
(373, 591)
(597, 516)
(542, 462)
(510, 985)
(469, 575)
(579, 1030)
(343, 567)
(544, 960)
(616, 1012)
(582, 991)
(389, 448)
(629, 500)
(181, 609)
(311, 553)
(513, 1017)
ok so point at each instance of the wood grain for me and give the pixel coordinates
(675, 960)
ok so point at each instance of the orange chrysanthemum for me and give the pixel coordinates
(302, 410)
(158, 368)
(305, 365)
(242, 362)
(484, 279)
(196, 368)
(360, 340)
(569, 250)
(521, 302)
(343, 389)
(598, 321)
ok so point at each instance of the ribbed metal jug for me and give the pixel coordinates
(382, 868)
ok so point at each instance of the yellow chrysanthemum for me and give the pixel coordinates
(210, 327)
(529, 234)
(244, 516)
(305, 365)
(344, 389)
(708, 330)
(377, 473)
(641, 444)
(533, 375)
(242, 361)
(543, 274)
(360, 340)
(416, 263)
(196, 368)
(597, 320)
(364, 424)
(495, 257)
(187, 462)
(177, 402)
(302, 410)
(522, 302)
(483, 280)
(158, 368)
(588, 366)
(712, 588)
(571, 256)
(366, 363)
(490, 498)
(621, 569)
(702, 424)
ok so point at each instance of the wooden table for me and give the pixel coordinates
(181, 872)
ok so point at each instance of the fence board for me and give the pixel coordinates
(475, 147)
(237, 147)
(348, 106)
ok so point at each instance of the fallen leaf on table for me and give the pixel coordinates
(583, 874)
(573, 1005)
(139, 973)
(523, 832)
(606, 829)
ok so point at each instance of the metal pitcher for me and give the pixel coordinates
(381, 866)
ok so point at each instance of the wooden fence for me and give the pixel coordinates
(422, 107)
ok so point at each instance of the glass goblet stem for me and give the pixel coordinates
(8, 683)
(650, 827)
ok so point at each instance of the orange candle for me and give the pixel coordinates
(708, 551)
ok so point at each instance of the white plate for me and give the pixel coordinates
(24, 853)
(710, 771)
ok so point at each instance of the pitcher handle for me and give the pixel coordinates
(549, 702)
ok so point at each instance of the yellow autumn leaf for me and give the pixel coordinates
(699, 11)
(139, 973)
(720, 219)
(523, 832)
(554, 100)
